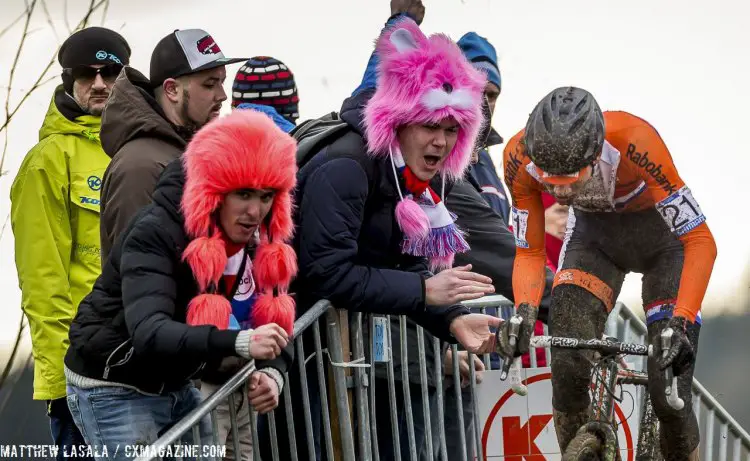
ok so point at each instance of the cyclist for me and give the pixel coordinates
(629, 211)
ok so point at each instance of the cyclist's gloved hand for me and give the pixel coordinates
(529, 314)
(681, 354)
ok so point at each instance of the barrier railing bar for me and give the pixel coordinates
(336, 351)
(475, 407)
(305, 397)
(405, 388)
(290, 419)
(322, 388)
(424, 388)
(373, 416)
(459, 402)
(440, 399)
(392, 394)
(361, 383)
(233, 424)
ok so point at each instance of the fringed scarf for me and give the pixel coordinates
(429, 228)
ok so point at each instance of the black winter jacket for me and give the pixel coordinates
(131, 328)
(348, 241)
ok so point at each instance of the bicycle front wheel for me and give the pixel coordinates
(584, 447)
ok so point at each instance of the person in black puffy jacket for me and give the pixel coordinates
(371, 224)
(200, 276)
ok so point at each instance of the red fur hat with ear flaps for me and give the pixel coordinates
(243, 150)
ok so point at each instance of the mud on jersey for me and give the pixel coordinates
(635, 172)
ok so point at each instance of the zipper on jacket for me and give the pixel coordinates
(123, 361)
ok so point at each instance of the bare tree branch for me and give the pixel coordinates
(10, 26)
(65, 16)
(49, 20)
(43, 77)
(104, 13)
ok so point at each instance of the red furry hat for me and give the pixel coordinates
(243, 150)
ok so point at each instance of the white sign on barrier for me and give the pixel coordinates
(516, 428)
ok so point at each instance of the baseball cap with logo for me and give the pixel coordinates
(185, 52)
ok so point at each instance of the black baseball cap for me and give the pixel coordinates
(185, 52)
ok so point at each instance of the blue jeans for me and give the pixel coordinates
(117, 417)
(65, 433)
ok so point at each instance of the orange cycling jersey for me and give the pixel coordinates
(638, 172)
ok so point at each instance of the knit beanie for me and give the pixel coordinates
(482, 55)
(243, 150)
(269, 82)
(420, 81)
(92, 46)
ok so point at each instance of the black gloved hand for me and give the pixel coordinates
(681, 354)
(528, 313)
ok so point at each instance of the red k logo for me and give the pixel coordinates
(518, 441)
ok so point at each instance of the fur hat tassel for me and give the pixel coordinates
(274, 309)
(274, 266)
(209, 309)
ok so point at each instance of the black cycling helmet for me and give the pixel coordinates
(565, 132)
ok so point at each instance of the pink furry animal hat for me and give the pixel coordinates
(243, 150)
(424, 81)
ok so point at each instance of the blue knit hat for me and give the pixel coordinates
(482, 54)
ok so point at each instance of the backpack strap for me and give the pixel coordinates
(313, 135)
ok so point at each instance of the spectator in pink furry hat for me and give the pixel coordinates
(371, 219)
(200, 276)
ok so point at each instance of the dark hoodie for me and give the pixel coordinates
(142, 142)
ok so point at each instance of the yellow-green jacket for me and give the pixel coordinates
(55, 220)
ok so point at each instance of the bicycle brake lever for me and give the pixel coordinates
(671, 391)
(515, 328)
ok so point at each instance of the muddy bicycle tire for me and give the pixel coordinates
(584, 447)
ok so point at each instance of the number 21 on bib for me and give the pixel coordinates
(681, 212)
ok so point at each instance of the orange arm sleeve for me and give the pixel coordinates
(528, 227)
(681, 213)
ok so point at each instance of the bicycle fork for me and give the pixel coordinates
(603, 408)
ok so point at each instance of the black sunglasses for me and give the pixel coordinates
(109, 72)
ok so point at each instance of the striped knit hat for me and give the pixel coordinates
(268, 82)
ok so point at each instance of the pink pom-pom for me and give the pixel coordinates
(207, 309)
(438, 263)
(207, 257)
(274, 309)
(412, 219)
(274, 265)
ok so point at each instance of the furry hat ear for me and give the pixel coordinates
(403, 40)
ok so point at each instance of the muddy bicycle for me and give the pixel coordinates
(597, 439)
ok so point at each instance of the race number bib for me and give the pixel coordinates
(520, 221)
(681, 212)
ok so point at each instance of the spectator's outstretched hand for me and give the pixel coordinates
(455, 285)
(463, 367)
(263, 392)
(267, 341)
(413, 8)
(473, 332)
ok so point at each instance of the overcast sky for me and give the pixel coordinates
(681, 65)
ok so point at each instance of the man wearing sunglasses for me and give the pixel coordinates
(55, 212)
(148, 122)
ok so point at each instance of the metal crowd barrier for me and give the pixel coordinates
(357, 433)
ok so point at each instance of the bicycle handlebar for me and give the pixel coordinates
(601, 345)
